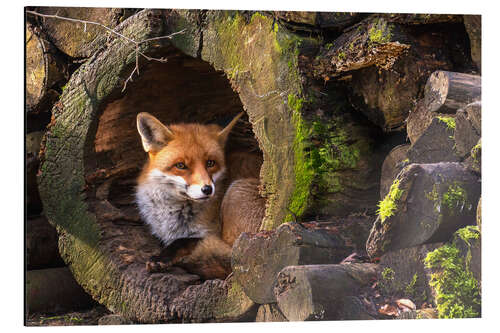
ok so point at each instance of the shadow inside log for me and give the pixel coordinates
(185, 90)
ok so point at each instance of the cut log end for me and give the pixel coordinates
(436, 90)
(446, 92)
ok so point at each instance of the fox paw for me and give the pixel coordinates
(153, 266)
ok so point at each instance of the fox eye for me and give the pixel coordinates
(180, 165)
(210, 163)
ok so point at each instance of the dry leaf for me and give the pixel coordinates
(406, 303)
(388, 310)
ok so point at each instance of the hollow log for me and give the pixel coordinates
(93, 152)
(446, 92)
(317, 292)
(45, 72)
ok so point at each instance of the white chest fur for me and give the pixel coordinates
(169, 217)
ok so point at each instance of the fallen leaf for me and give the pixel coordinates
(388, 310)
(406, 303)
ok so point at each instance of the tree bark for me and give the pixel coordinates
(446, 92)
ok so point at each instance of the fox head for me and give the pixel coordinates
(187, 158)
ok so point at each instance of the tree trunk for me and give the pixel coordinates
(93, 152)
(446, 92)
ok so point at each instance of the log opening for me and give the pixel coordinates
(184, 89)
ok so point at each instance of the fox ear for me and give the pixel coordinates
(222, 136)
(153, 133)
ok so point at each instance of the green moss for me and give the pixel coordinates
(322, 151)
(476, 151)
(410, 287)
(457, 291)
(341, 55)
(455, 197)
(387, 282)
(328, 46)
(449, 121)
(433, 195)
(303, 168)
(387, 206)
(380, 33)
(388, 274)
(468, 233)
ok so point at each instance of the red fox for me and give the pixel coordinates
(181, 190)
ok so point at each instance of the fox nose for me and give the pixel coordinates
(207, 189)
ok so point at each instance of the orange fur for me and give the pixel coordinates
(184, 158)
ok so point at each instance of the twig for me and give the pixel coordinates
(112, 31)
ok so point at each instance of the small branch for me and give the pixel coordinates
(81, 21)
(112, 31)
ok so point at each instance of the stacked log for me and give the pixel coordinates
(445, 154)
(317, 111)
